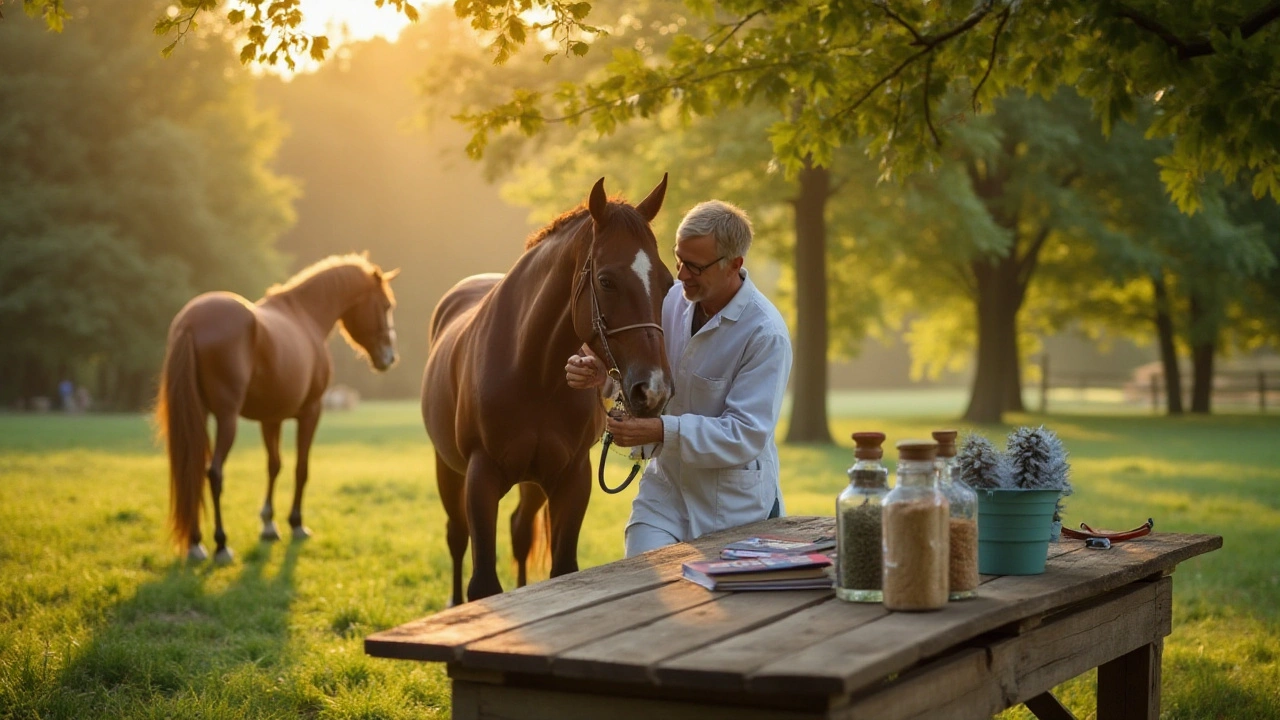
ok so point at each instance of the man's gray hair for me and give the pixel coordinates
(727, 223)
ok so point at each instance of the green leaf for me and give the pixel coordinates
(319, 46)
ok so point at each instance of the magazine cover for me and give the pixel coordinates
(769, 545)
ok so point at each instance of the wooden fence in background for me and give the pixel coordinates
(1260, 389)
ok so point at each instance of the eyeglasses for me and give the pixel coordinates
(694, 268)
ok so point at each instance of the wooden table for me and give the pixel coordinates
(631, 640)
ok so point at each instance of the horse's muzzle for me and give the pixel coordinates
(648, 393)
(384, 359)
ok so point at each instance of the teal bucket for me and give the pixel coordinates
(1013, 530)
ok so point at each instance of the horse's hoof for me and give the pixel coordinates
(301, 533)
(223, 556)
(197, 553)
(269, 532)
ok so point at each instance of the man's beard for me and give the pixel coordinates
(697, 294)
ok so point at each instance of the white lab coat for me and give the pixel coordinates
(717, 466)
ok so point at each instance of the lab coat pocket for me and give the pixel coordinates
(741, 497)
(707, 395)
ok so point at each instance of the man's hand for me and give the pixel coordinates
(585, 370)
(630, 432)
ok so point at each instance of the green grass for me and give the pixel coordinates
(99, 619)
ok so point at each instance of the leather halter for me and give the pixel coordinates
(598, 326)
(601, 330)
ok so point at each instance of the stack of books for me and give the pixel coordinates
(773, 545)
(775, 572)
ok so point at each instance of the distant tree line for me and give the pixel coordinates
(130, 184)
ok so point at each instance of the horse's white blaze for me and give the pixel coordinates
(641, 266)
(656, 387)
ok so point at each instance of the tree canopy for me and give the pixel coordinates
(1030, 222)
(842, 70)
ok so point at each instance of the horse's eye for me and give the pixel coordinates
(607, 284)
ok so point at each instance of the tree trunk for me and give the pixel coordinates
(1203, 343)
(1168, 352)
(999, 286)
(1013, 376)
(999, 299)
(809, 368)
(1202, 378)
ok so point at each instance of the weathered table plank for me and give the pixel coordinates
(851, 660)
(980, 682)
(630, 655)
(442, 637)
(531, 647)
(727, 663)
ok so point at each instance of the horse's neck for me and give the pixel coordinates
(539, 291)
(323, 298)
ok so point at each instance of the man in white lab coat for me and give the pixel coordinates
(715, 461)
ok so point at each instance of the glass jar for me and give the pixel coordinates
(915, 532)
(859, 556)
(963, 527)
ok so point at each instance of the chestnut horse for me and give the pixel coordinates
(266, 361)
(494, 397)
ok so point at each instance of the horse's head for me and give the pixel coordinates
(628, 282)
(367, 323)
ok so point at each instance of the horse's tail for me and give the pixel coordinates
(181, 424)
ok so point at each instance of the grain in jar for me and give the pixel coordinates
(916, 533)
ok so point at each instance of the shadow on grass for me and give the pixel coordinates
(177, 639)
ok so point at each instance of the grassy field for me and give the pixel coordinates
(99, 619)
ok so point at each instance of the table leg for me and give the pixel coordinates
(1129, 686)
(1046, 707)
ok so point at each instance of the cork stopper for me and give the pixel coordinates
(868, 445)
(946, 442)
(917, 450)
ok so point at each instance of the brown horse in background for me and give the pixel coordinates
(266, 361)
(494, 396)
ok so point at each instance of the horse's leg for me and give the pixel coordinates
(452, 494)
(307, 423)
(485, 487)
(522, 520)
(568, 498)
(270, 438)
(226, 435)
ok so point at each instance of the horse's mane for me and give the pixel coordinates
(320, 266)
(629, 217)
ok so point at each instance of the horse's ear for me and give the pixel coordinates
(650, 206)
(390, 275)
(598, 203)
